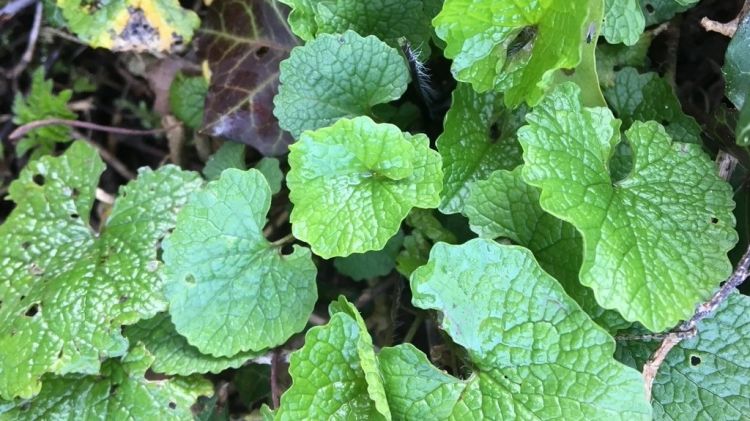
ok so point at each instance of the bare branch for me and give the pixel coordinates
(20, 131)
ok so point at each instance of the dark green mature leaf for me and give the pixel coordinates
(706, 377)
(229, 289)
(66, 291)
(504, 206)
(386, 19)
(479, 138)
(244, 41)
(187, 95)
(172, 352)
(742, 132)
(737, 64)
(637, 231)
(360, 266)
(229, 155)
(658, 11)
(535, 353)
(120, 392)
(647, 97)
(337, 76)
(39, 104)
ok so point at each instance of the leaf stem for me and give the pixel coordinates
(283, 241)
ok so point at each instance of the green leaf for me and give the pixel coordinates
(361, 266)
(218, 265)
(335, 374)
(243, 42)
(647, 97)
(354, 182)
(120, 392)
(271, 170)
(41, 103)
(337, 76)
(131, 25)
(67, 290)
(705, 377)
(479, 138)
(504, 206)
(610, 57)
(737, 65)
(535, 353)
(172, 352)
(386, 19)
(186, 98)
(623, 22)
(742, 132)
(637, 231)
(505, 45)
(426, 229)
(229, 155)
(658, 11)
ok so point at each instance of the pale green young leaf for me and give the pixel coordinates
(623, 22)
(42, 103)
(361, 266)
(386, 19)
(229, 289)
(337, 76)
(705, 377)
(535, 353)
(120, 392)
(655, 243)
(187, 95)
(647, 97)
(172, 352)
(354, 182)
(506, 45)
(130, 25)
(229, 155)
(67, 290)
(479, 138)
(504, 206)
(336, 375)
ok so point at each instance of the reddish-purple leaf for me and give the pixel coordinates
(244, 41)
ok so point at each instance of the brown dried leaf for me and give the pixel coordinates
(244, 41)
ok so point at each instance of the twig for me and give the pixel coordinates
(28, 54)
(20, 131)
(12, 8)
(727, 29)
(275, 389)
(689, 328)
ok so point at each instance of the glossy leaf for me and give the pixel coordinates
(623, 22)
(737, 65)
(337, 76)
(505, 45)
(130, 25)
(479, 138)
(504, 206)
(67, 290)
(646, 97)
(535, 353)
(120, 392)
(173, 354)
(354, 182)
(244, 41)
(218, 265)
(637, 231)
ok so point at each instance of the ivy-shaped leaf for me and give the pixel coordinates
(647, 97)
(337, 76)
(504, 206)
(65, 290)
(244, 41)
(354, 182)
(705, 377)
(536, 354)
(130, 25)
(479, 138)
(187, 95)
(623, 22)
(386, 19)
(506, 45)
(229, 289)
(655, 243)
(336, 374)
(737, 64)
(120, 392)
(41, 103)
(172, 352)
